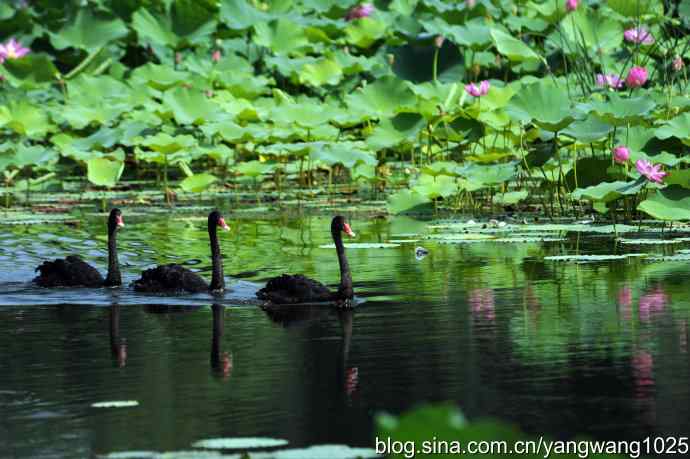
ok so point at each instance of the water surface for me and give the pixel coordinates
(558, 348)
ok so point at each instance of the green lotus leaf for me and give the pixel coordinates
(254, 168)
(165, 143)
(364, 32)
(158, 76)
(671, 203)
(189, 106)
(619, 110)
(104, 172)
(198, 182)
(432, 187)
(307, 113)
(679, 177)
(89, 32)
(637, 8)
(406, 201)
(475, 34)
(608, 191)
(322, 72)
(512, 48)
(545, 104)
(589, 28)
(393, 131)
(184, 21)
(512, 197)
(281, 36)
(383, 98)
(27, 119)
(591, 129)
(34, 155)
(239, 14)
(678, 127)
(31, 70)
(348, 154)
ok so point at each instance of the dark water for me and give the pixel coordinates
(559, 349)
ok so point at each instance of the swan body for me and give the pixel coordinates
(170, 278)
(173, 279)
(296, 288)
(75, 272)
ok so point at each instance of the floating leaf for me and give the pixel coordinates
(240, 443)
(593, 258)
(363, 245)
(115, 404)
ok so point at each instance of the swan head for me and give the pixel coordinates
(340, 224)
(115, 220)
(216, 219)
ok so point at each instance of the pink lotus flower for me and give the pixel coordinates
(360, 11)
(636, 77)
(215, 57)
(653, 172)
(611, 81)
(12, 50)
(571, 5)
(621, 154)
(477, 91)
(678, 64)
(639, 35)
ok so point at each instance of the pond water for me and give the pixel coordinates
(558, 348)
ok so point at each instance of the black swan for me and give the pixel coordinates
(75, 272)
(175, 279)
(294, 289)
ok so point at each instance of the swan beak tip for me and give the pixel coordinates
(348, 230)
(222, 224)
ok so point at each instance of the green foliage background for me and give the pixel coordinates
(302, 97)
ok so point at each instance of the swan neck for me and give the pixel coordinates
(217, 278)
(114, 277)
(345, 276)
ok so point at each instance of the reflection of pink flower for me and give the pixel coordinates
(625, 296)
(621, 154)
(643, 368)
(653, 172)
(639, 35)
(571, 5)
(652, 302)
(360, 11)
(482, 302)
(609, 81)
(636, 77)
(351, 380)
(478, 90)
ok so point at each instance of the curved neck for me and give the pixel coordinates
(345, 277)
(113, 277)
(217, 279)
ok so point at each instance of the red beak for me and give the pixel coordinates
(222, 224)
(348, 230)
(119, 222)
